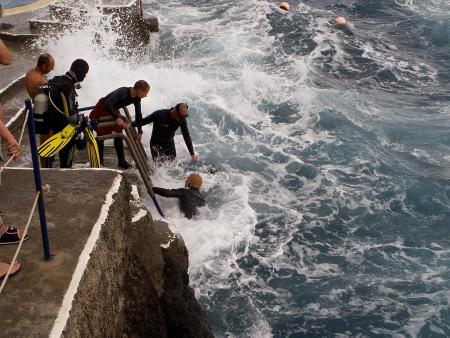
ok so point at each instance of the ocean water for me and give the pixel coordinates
(328, 212)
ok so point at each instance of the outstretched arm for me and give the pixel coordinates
(138, 114)
(168, 192)
(187, 139)
(148, 119)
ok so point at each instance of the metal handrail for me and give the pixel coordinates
(140, 151)
(38, 180)
(132, 146)
(140, 146)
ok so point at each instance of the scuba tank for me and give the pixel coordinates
(40, 108)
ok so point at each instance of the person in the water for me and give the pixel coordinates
(190, 197)
(165, 124)
(342, 24)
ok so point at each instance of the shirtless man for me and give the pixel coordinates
(37, 77)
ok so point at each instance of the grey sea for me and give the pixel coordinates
(325, 158)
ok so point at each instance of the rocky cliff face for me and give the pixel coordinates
(136, 283)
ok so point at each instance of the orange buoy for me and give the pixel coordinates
(340, 21)
(284, 5)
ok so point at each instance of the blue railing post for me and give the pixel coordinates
(37, 180)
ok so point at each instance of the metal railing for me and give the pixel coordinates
(38, 180)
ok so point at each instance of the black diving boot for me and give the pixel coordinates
(101, 147)
(118, 145)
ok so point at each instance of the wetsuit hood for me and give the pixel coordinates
(80, 68)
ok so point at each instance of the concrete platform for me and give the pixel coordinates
(32, 299)
(117, 273)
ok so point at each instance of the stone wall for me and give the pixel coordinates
(132, 287)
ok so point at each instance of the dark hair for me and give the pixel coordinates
(141, 84)
(43, 59)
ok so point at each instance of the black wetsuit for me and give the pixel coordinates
(190, 199)
(110, 104)
(62, 85)
(121, 98)
(162, 142)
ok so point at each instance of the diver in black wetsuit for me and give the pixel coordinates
(165, 124)
(110, 105)
(64, 104)
(190, 197)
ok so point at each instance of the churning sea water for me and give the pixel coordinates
(328, 215)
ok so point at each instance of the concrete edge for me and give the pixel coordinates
(137, 201)
(13, 121)
(64, 311)
(24, 38)
(11, 86)
(143, 211)
(128, 5)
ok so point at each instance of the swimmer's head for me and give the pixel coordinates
(284, 6)
(194, 181)
(340, 21)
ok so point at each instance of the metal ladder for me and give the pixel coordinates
(136, 149)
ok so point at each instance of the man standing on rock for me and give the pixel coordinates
(34, 78)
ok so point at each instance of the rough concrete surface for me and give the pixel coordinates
(131, 287)
(31, 299)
